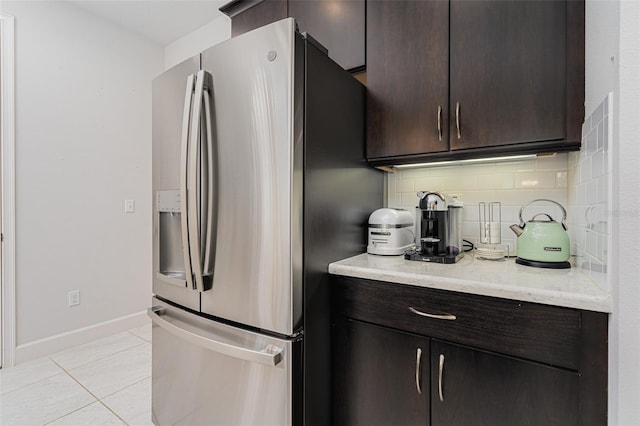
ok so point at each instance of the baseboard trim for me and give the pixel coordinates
(44, 347)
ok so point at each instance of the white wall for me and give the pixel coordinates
(613, 64)
(625, 369)
(83, 146)
(204, 37)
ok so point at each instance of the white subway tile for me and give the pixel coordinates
(585, 170)
(514, 197)
(572, 159)
(592, 243)
(573, 176)
(602, 249)
(516, 166)
(535, 180)
(510, 214)
(471, 229)
(581, 238)
(582, 194)
(556, 162)
(471, 213)
(405, 185)
(592, 192)
(592, 141)
(408, 198)
(557, 195)
(601, 135)
(414, 173)
(596, 217)
(495, 181)
(561, 179)
(462, 183)
(429, 184)
(603, 193)
(475, 197)
(597, 164)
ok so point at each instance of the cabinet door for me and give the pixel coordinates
(381, 376)
(337, 24)
(262, 13)
(508, 72)
(407, 77)
(471, 387)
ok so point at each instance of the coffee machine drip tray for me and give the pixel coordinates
(415, 254)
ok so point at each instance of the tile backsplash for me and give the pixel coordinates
(580, 181)
(511, 183)
(589, 183)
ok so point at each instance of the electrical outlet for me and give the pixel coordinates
(129, 206)
(74, 297)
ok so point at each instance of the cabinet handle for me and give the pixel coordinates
(440, 369)
(440, 123)
(458, 119)
(418, 361)
(449, 317)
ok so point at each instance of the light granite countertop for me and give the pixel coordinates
(571, 288)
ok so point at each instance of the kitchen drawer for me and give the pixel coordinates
(533, 331)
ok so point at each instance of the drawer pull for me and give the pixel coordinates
(440, 369)
(418, 361)
(449, 317)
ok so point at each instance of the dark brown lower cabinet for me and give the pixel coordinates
(406, 355)
(472, 387)
(381, 376)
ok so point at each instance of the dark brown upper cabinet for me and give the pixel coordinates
(508, 77)
(339, 25)
(407, 77)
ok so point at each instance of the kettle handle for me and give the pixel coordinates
(564, 212)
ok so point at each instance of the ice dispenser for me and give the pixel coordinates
(170, 254)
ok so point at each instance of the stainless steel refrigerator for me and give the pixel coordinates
(259, 182)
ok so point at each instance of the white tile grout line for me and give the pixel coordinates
(139, 337)
(142, 341)
(92, 394)
(65, 371)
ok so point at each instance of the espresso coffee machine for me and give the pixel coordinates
(438, 229)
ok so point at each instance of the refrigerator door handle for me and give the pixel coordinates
(184, 169)
(193, 189)
(270, 355)
(210, 240)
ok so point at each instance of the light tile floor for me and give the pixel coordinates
(104, 382)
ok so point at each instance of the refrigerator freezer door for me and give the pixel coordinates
(257, 274)
(172, 104)
(206, 373)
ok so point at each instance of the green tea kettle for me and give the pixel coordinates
(542, 243)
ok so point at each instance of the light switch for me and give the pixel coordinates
(129, 206)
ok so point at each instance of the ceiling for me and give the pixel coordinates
(162, 21)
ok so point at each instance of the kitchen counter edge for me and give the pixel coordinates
(570, 288)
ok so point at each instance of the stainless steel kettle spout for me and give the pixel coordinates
(516, 229)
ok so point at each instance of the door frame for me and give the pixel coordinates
(7, 207)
